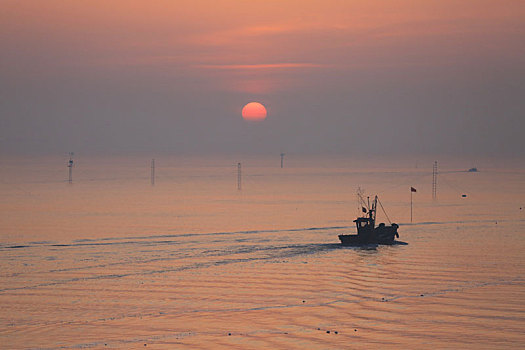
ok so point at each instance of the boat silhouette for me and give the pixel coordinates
(367, 231)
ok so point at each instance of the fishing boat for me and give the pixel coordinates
(367, 231)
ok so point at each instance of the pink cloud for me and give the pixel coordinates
(259, 66)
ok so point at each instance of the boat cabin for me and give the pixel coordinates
(363, 222)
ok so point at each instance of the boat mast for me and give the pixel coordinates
(373, 212)
(384, 211)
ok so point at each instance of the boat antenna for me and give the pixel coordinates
(360, 196)
(384, 211)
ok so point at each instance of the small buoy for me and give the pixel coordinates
(355, 330)
(335, 332)
(229, 334)
(463, 195)
(304, 301)
(422, 295)
(318, 329)
(328, 332)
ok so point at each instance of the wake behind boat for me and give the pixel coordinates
(367, 232)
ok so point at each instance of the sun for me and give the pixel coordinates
(254, 111)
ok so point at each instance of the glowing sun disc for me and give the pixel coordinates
(254, 111)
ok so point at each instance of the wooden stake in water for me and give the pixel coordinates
(239, 177)
(412, 190)
(70, 166)
(434, 180)
(153, 172)
(282, 160)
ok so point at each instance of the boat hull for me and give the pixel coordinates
(353, 240)
(380, 235)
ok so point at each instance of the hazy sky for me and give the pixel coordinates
(348, 77)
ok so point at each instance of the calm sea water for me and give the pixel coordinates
(113, 262)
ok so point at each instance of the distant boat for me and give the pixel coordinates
(473, 170)
(367, 232)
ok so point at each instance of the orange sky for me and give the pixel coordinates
(292, 36)
(259, 50)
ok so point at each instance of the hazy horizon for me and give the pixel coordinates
(356, 77)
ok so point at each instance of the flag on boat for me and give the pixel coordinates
(412, 189)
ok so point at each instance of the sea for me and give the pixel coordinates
(217, 255)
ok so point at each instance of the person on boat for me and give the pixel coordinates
(396, 226)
